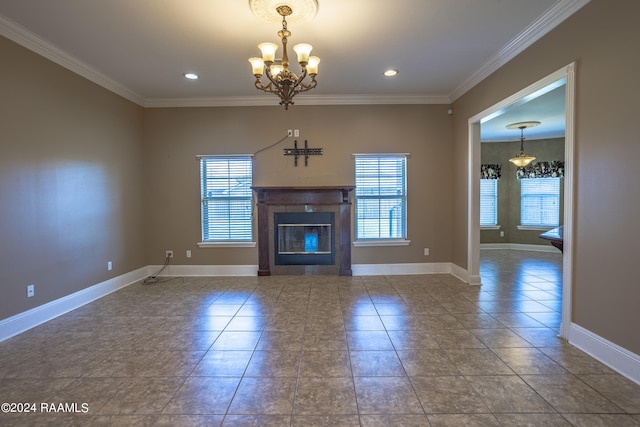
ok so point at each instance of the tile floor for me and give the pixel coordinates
(423, 350)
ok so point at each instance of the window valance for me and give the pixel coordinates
(554, 169)
(489, 171)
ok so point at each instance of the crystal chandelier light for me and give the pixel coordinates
(279, 79)
(522, 159)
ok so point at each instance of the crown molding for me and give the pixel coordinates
(363, 99)
(37, 44)
(271, 101)
(540, 27)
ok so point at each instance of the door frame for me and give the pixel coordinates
(566, 76)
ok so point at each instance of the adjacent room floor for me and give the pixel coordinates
(419, 350)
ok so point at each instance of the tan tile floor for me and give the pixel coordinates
(423, 350)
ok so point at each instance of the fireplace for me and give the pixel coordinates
(304, 238)
(304, 230)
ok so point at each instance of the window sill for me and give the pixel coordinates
(490, 227)
(381, 242)
(227, 244)
(536, 227)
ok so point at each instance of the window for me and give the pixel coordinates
(488, 202)
(540, 202)
(381, 196)
(226, 198)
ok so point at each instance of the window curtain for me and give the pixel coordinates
(553, 169)
(489, 171)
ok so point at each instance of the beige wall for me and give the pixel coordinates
(603, 38)
(174, 136)
(545, 150)
(70, 181)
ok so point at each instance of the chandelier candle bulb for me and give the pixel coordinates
(257, 65)
(268, 51)
(303, 50)
(312, 66)
(275, 69)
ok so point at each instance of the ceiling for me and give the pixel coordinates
(140, 49)
(547, 106)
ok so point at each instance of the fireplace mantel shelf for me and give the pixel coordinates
(323, 195)
(309, 188)
(280, 196)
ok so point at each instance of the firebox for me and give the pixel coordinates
(304, 238)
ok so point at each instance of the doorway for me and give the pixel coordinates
(566, 76)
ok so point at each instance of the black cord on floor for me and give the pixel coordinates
(151, 280)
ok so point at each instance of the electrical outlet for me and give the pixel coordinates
(296, 132)
(188, 253)
(289, 132)
(109, 265)
(426, 251)
(31, 291)
(168, 254)
(502, 234)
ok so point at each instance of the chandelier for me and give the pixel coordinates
(279, 79)
(522, 159)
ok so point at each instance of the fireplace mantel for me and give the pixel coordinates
(283, 199)
(304, 195)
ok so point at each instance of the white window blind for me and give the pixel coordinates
(226, 198)
(488, 202)
(540, 202)
(381, 196)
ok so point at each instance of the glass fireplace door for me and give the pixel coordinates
(304, 238)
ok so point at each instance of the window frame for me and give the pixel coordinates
(494, 195)
(244, 164)
(380, 238)
(543, 197)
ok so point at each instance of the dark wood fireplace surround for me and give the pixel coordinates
(287, 199)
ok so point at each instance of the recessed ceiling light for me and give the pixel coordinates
(391, 73)
(191, 76)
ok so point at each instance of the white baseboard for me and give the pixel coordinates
(520, 247)
(612, 355)
(26, 320)
(400, 268)
(464, 275)
(357, 269)
(207, 270)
